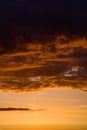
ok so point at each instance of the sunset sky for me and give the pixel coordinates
(43, 62)
(50, 106)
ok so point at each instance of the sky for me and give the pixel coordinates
(50, 106)
(43, 61)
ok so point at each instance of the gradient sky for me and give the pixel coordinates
(43, 61)
(50, 106)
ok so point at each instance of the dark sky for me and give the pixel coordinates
(35, 19)
(38, 5)
(56, 8)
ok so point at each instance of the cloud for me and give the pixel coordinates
(83, 106)
(45, 65)
(38, 39)
(15, 109)
(77, 52)
(19, 109)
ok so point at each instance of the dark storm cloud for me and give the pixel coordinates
(45, 65)
(40, 41)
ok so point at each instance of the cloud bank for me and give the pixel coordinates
(59, 63)
(40, 43)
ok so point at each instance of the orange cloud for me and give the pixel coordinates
(45, 60)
